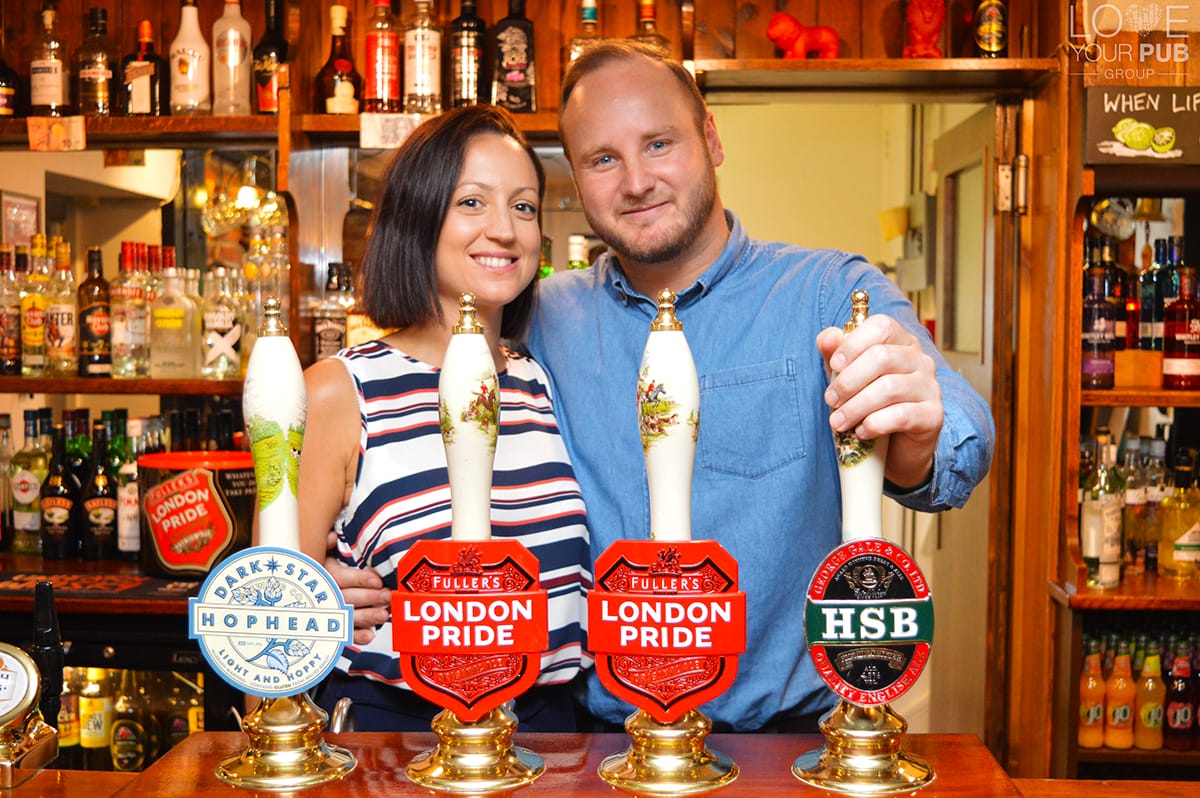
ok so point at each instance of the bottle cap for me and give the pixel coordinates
(337, 18)
(145, 31)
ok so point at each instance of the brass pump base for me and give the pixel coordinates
(862, 754)
(475, 758)
(285, 751)
(668, 759)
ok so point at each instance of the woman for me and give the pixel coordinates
(460, 211)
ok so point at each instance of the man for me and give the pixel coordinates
(763, 320)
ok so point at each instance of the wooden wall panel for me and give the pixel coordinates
(716, 28)
(846, 19)
(883, 28)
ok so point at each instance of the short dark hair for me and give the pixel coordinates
(612, 50)
(399, 269)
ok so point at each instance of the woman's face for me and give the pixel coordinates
(490, 241)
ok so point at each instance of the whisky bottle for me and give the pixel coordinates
(96, 60)
(338, 88)
(95, 320)
(33, 310)
(49, 69)
(514, 71)
(991, 29)
(467, 36)
(62, 316)
(10, 314)
(329, 318)
(1179, 547)
(1181, 335)
(1100, 525)
(1097, 362)
(422, 62)
(190, 60)
(381, 92)
(588, 35)
(647, 32)
(147, 85)
(95, 719)
(99, 499)
(231, 61)
(269, 53)
(59, 499)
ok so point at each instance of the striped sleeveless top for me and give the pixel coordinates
(401, 494)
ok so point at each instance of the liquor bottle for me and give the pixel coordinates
(1119, 695)
(1179, 546)
(1158, 488)
(231, 62)
(1114, 290)
(1100, 521)
(546, 258)
(152, 264)
(468, 33)
(70, 757)
(95, 719)
(129, 529)
(10, 314)
(1181, 700)
(514, 72)
(96, 81)
(338, 87)
(1169, 275)
(172, 322)
(130, 741)
(175, 720)
(130, 319)
(190, 56)
(59, 498)
(146, 82)
(79, 450)
(269, 53)
(95, 320)
(381, 92)
(329, 318)
(99, 499)
(1134, 513)
(1148, 705)
(221, 331)
(588, 35)
(116, 422)
(49, 69)
(6, 496)
(62, 313)
(146, 686)
(28, 469)
(1181, 336)
(1097, 362)
(33, 310)
(1150, 295)
(1091, 699)
(422, 62)
(647, 32)
(10, 89)
(991, 29)
(577, 257)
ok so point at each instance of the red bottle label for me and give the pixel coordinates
(383, 67)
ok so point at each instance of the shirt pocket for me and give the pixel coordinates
(750, 419)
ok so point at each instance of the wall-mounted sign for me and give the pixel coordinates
(1142, 125)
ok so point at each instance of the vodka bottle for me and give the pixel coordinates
(62, 317)
(172, 321)
(220, 347)
(189, 56)
(96, 69)
(381, 92)
(33, 310)
(231, 62)
(422, 62)
(130, 319)
(338, 87)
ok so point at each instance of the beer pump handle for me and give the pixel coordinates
(47, 651)
(469, 407)
(668, 403)
(860, 462)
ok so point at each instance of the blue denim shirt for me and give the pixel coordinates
(765, 483)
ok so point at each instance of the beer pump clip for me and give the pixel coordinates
(29, 693)
(666, 620)
(469, 618)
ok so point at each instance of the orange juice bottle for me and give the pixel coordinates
(1119, 694)
(1091, 700)
(1148, 706)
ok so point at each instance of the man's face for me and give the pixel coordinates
(644, 170)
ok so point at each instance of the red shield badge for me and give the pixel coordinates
(470, 623)
(666, 623)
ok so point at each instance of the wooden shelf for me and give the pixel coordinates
(1136, 592)
(1139, 397)
(1141, 180)
(1136, 756)
(163, 131)
(342, 129)
(100, 386)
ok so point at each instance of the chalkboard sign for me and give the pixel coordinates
(1142, 125)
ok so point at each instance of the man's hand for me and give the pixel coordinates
(362, 589)
(885, 384)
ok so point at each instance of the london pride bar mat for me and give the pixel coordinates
(110, 586)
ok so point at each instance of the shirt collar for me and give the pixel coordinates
(618, 283)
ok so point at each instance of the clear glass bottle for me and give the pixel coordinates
(149, 262)
(190, 59)
(28, 469)
(146, 81)
(59, 497)
(577, 252)
(422, 61)
(381, 92)
(99, 499)
(62, 317)
(10, 314)
(172, 321)
(269, 53)
(278, 267)
(329, 317)
(1181, 336)
(588, 35)
(1180, 522)
(49, 69)
(220, 342)
(514, 67)
(96, 62)
(1097, 362)
(130, 319)
(95, 319)
(33, 309)
(129, 530)
(231, 62)
(1134, 513)
(1100, 520)
(338, 88)
(647, 32)
(1158, 488)
(468, 33)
